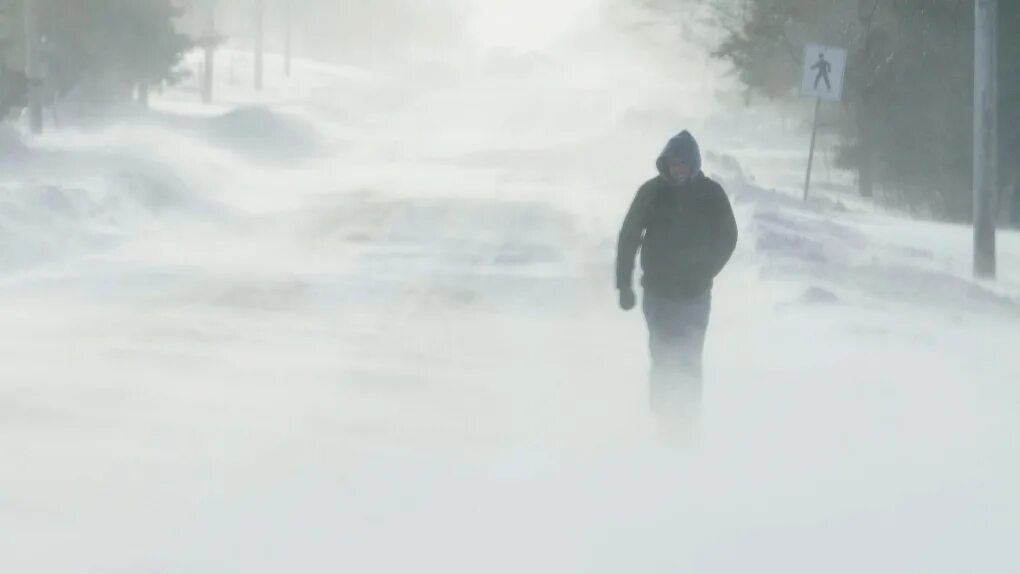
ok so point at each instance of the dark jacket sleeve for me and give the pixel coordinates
(725, 233)
(632, 235)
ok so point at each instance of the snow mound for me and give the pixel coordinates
(10, 141)
(264, 134)
(818, 296)
(47, 221)
(794, 240)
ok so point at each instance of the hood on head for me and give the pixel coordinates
(684, 147)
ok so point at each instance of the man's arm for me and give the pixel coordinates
(725, 233)
(632, 235)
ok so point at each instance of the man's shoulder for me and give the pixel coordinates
(650, 189)
(652, 185)
(714, 194)
(711, 186)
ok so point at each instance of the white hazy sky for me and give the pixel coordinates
(339, 28)
(528, 24)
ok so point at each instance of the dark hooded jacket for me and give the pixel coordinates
(686, 233)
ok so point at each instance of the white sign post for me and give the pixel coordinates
(821, 78)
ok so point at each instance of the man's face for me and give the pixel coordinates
(678, 171)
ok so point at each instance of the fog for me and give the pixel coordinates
(364, 320)
(335, 28)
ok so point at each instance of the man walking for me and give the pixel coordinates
(683, 224)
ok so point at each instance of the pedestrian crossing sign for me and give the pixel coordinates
(824, 68)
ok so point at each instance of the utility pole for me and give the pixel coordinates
(986, 147)
(866, 10)
(259, 42)
(209, 45)
(32, 75)
(289, 37)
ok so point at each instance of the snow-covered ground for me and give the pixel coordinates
(365, 322)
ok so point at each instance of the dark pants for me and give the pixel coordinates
(677, 340)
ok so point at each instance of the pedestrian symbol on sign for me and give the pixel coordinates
(824, 69)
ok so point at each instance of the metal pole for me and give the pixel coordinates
(32, 74)
(985, 136)
(259, 47)
(811, 154)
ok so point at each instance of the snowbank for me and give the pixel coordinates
(264, 135)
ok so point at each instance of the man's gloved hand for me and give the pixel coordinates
(628, 300)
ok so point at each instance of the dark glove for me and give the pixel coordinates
(628, 300)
